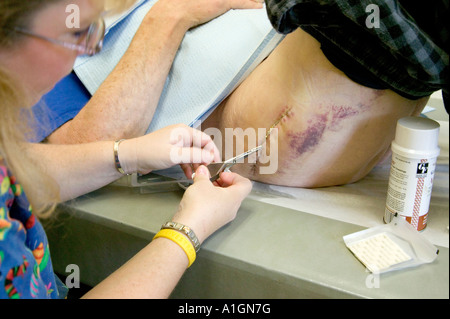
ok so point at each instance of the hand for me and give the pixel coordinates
(164, 148)
(206, 206)
(195, 12)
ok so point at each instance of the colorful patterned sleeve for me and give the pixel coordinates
(25, 265)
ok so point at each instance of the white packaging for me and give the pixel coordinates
(394, 246)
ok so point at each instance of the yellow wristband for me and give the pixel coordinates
(181, 241)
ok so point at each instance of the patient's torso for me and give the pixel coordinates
(331, 130)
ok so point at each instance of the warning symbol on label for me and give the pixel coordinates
(422, 168)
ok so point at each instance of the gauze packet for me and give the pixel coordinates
(389, 247)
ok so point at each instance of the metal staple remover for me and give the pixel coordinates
(225, 166)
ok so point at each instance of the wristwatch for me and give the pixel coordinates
(186, 230)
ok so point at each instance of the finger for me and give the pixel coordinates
(187, 169)
(211, 147)
(202, 173)
(247, 4)
(202, 140)
(185, 136)
(238, 183)
(195, 155)
(180, 135)
(195, 166)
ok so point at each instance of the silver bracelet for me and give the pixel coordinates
(186, 230)
(116, 157)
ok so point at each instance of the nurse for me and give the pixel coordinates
(36, 51)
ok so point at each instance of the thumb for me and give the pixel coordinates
(202, 172)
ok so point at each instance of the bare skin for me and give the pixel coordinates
(331, 130)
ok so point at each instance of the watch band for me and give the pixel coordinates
(186, 230)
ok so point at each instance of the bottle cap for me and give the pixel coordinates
(418, 135)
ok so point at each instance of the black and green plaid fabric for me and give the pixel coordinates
(407, 49)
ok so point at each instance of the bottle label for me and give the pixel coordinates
(409, 190)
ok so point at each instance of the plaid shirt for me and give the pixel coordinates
(393, 48)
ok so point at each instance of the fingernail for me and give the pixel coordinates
(209, 157)
(202, 170)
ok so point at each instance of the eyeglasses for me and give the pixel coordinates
(88, 42)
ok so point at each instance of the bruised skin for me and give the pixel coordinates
(331, 130)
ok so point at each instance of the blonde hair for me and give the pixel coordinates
(42, 191)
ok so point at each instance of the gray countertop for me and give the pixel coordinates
(268, 251)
